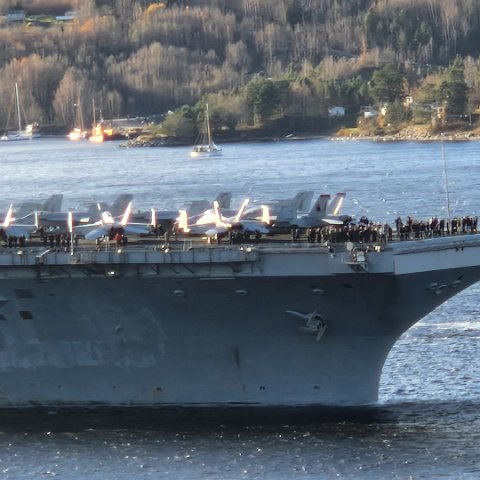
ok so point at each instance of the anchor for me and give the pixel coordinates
(314, 323)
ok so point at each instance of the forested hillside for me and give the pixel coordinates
(259, 61)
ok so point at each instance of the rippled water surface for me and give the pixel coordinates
(427, 422)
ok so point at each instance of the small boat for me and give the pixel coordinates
(79, 132)
(206, 148)
(97, 135)
(30, 131)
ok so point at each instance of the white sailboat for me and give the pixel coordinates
(208, 148)
(78, 132)
(21, 134)
(97, 135)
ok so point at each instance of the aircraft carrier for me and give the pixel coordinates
(267, 324)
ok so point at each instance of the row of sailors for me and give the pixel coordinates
(436, 227)
(369, 232)
(364, 232)
(62, 241)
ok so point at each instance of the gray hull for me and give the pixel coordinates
(215, 327)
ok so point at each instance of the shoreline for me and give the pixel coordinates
(140, 142)
(417, 133)
(438, 137)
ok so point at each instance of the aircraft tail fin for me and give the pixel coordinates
(241, 210)
(153, 218)
(126, 214)
(319, 209)
(265, 214)
(335, 204)
(224, 199)
(120, 204)
(218, 215)
(8, 217)
(302, 201)
(53, 203)
(70, 221)
(286, 213)
(196, 207)
(95, 209)
(183, 221)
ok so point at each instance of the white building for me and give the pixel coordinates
(336, 112)
(67, 17)
(16, 16)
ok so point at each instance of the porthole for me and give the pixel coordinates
(26, 314)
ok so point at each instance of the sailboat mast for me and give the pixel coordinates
(94, 119)
(79, 113)
(17, 101)
(209, 133)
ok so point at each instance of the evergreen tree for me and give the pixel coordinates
(267, 98)
(454, 89)
(395, 114)
(387, 84)
(180, 124)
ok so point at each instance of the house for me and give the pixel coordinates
(336, 112)
(16, 16)
(66, 17)
(368, 111)
(408, 101)
(440, 112)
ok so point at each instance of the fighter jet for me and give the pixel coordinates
(325, 211)
(52, 204)
(194, 209)
(213, 222)
(282, 210)
(108, 224)
(58, 221)
(12, 228)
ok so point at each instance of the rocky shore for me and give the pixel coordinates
(148, 141)
(412, 133)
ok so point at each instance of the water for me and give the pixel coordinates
(427, 422)
(381, 179)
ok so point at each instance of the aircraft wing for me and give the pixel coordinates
(53, 203)
(311, 222)
(103, 230)
(137, 229)
(99, 232)
(253, 226)
(80, 218)
(88, 228)
(166, 215)
(332, 221)
(53, 216)
(305, 222)
(217, 230)
(19, 230)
